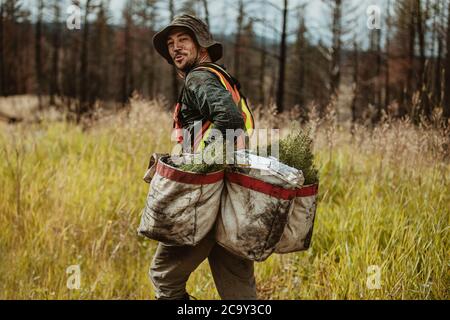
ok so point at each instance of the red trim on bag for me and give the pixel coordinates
(308, 191)
(260, 186)
(173, 174)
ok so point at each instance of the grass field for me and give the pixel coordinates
(73, 196)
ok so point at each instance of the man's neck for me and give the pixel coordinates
(204, 59)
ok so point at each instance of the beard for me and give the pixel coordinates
(187, 66)
(192, 62)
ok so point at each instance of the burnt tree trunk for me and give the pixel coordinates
(437, 99)
(54, 88)
(262, 72)
(423, 79)
(355, 80)
(421, 36)
(174, 71)
(336, 54)
(83, 107)
(411, 69)
(38, 52)
(387, 92)
(205, 8)
(282, 61)
(446, 112)
(237, 45)
(151, 53)
(301, 48)
(378, 93)
(2, 54)
(127, 73)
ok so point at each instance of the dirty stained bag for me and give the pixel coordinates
(254, 213)
(181, 207)
(299, 228)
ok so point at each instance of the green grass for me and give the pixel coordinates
(71, 196)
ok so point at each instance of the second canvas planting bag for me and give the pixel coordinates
(254, 213)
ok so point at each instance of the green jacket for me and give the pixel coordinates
(205, 98)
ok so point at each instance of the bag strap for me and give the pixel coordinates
(220, 68)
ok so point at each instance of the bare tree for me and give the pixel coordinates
(174, 71)
(12, 65)
(70, 70)
(301, 52)
(282, 60)
(54, 88)
(262, 68)
(237, 43)
(376, 78)
(101, 57)
(2, 53)
(420, 26)
(146, 13)
(411, 50)
(38, 52)
(446, 112)
(84, 53)
(421, 16)
(152, 65)
(387, 93)
(335, 73)
(355, 85)
(437, 52)
(205, 8)
(404, 50)
(127, 73)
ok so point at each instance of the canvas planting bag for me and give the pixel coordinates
(181, 207)
(254, 213)
(298, 231)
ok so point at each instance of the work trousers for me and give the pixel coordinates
(172, 266)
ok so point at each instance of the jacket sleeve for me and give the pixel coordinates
(214, 102)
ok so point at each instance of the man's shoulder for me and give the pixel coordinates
(199, 76)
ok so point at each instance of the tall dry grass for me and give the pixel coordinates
(72, 195)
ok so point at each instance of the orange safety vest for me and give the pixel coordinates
(239, 99)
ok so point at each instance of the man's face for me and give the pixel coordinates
(182, 48)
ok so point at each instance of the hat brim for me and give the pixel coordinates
(215, 49)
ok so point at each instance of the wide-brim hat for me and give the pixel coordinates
(200, 31)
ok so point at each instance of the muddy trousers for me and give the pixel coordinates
(172, 266)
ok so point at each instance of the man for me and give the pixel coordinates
(187, 44)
